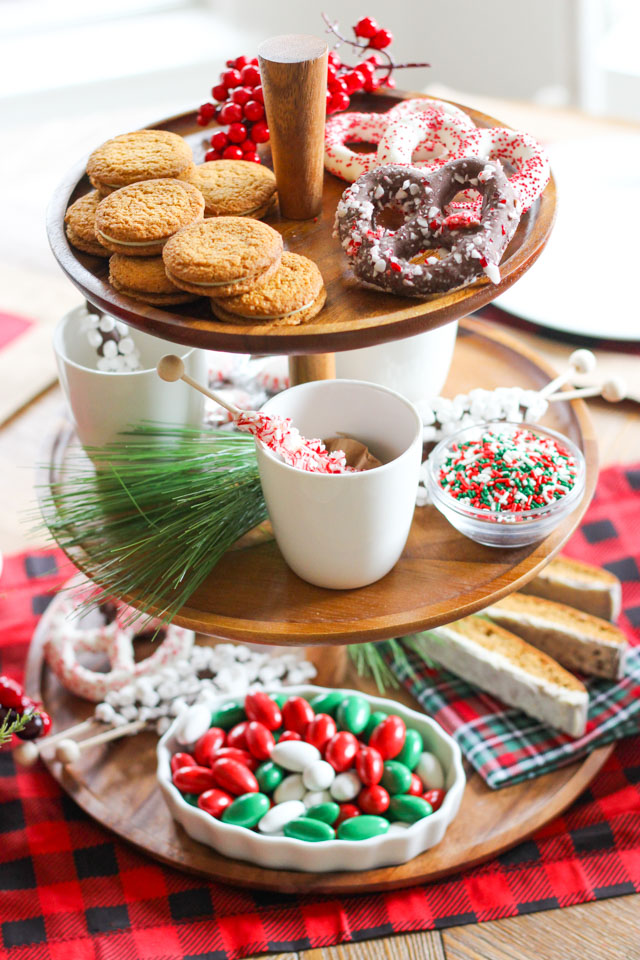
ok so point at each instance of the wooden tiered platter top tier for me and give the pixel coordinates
(354, 315)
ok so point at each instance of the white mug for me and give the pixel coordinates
(344, 531)
(416, 367)
(104, 404)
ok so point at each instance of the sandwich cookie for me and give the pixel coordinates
(293, 293)
(223, 256)
(80, 225)
(139, 219)
(235, 188)
(144, 278)
(141, 155)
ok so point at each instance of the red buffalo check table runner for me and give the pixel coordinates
(70, 890)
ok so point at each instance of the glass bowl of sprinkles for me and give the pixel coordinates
(505, 484)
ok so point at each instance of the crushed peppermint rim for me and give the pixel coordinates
(502, 470)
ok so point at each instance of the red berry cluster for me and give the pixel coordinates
(240, 101)
(14, 703)
(344, 79)
(239, 107)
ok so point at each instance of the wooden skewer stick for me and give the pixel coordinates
(68, 751)
(171, 368)
(580, 361)
(29, 751)
(613, 390)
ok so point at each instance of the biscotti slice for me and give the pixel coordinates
(574, 638)
(579, 585)
(511, 670)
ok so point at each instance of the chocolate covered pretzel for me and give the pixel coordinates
(399, 261)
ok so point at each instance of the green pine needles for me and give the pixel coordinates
(153, 513)
(8, 727)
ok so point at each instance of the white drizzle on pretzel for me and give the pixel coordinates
(67, 639)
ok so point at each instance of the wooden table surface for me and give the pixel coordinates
(607, 930)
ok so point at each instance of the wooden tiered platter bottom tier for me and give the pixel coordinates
(253, 596)
(354, 315)
(116, 785)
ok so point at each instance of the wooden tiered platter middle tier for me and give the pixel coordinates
(354, 315)
(251, 595)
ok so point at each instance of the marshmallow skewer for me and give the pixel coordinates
(29, 751)
(613, 391)
(68, 751)
(171, 368)
(580, 361)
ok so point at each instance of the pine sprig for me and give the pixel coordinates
(372, 660)
(376, 660)
(9, 727)
(150, 515)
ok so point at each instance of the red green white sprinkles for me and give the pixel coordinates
(512, 471)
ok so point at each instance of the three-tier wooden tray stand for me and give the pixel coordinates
(252, 596)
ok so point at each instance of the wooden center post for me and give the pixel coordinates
(293, 68)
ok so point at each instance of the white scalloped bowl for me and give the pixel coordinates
(289, 854)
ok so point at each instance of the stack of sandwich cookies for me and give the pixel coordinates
(141, 155)
(222, 256)
(145, 279)
(139, 219)
(576, 639)
(235, 188)
(80, 225)
(293, 293)
(518, 674)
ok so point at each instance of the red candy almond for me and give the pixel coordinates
(369, 766)
(416, 786)
(214, 802)
(259, 706)
(341, 751)
(182, 760)
(388, 737)
(297, 712)
(374, 799)
(242, 756)
(195, 779)
(237, 736)
(347, 810)
(207, 745)
(233, 777)
(259, 740)
(288, 734)
(321, 729)
(434, 797)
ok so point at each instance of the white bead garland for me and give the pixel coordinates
(233, 670)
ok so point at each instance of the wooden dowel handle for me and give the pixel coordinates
(294, 80)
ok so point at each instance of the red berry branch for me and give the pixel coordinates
(239, 99)
(369, 35)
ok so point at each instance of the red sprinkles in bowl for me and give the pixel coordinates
(512, 472)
